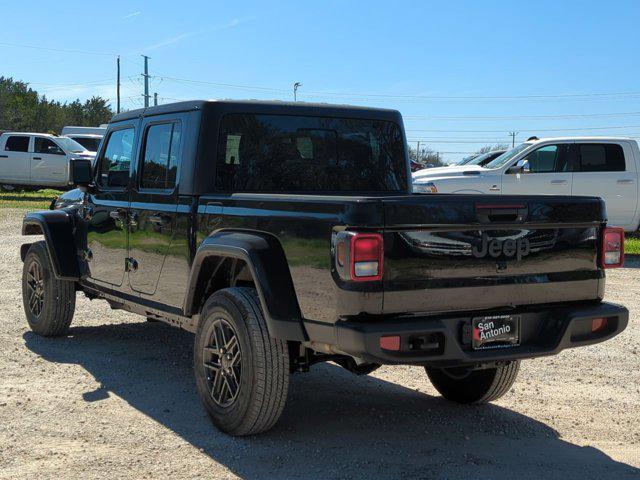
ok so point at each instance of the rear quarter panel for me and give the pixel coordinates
(303, 224)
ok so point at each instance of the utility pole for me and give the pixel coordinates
(418, 152)
(513, 138)
(146, 81)
(118, 86)
(295, 91)
(155, 99)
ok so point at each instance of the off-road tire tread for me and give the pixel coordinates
(60, 297)
(456, 390)
(502, 383)
(271, 364)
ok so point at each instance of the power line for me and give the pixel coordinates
(62, 50)
(230, 85)
(575, 129)
(479, 97)
(515, 117)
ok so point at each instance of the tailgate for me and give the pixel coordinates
(468, 252)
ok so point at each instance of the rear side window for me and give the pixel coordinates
(161, 154)
(17, 144)
(600, 157)
(114, 164)
(285, 153)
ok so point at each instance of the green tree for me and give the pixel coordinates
(23, 109)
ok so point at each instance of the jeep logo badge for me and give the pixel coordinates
(496, 248)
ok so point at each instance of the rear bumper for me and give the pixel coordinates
(445, 341)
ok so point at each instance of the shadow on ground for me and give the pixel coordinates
(632, 261)
(335, 424)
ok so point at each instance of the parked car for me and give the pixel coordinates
(286, 234)
(466, 160)
(37, 159)
(603, 166)
(88, 137)
(484, 158)
(74, 130)
(88, 141)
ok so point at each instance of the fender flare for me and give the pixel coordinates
(58, 229)
(268, 266)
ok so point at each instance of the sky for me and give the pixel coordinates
(463, 73)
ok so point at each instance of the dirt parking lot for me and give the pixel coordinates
(116, 399)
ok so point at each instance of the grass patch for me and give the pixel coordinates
(632, 245)
(28, 200)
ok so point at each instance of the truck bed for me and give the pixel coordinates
(429, 244)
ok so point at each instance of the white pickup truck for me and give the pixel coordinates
(37, 159)
(606, 167)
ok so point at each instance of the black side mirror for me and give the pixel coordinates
(515, 169)
(80, 172)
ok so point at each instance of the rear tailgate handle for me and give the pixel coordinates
(490, 213)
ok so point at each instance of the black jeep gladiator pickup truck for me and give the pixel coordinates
(286, 234)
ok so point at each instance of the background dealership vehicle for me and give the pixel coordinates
(88, 141)
(88, 137)
(482, 159)
(603, 166)
(37, 159)
(285, 234)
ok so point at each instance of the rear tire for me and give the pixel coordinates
(242, 374)
(49, 303)
(473, 386)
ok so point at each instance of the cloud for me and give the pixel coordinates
(230, 24)
(169, 41)
(134, 14)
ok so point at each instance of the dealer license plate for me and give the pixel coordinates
(496, 331)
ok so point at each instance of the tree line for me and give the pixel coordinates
(24, 109)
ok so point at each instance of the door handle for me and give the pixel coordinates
(559, 182)
(494, 188)
(4, 156)
(160, 219)
(37, 158)
(624, 181)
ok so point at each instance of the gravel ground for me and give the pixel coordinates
(116, 399)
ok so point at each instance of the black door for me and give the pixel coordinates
(153, 208)
(108, 210)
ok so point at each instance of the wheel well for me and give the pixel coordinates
(32, 229)
(217, 273)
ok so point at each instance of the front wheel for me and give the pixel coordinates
(464, 385)
(242, 374)
(48, 302)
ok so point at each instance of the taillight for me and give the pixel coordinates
(612, 247)
(358, 256)
(366, 256)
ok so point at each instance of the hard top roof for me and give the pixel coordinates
(263, 107)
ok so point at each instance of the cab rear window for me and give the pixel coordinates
(285, 153)
(17, 144)
(600, 157)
